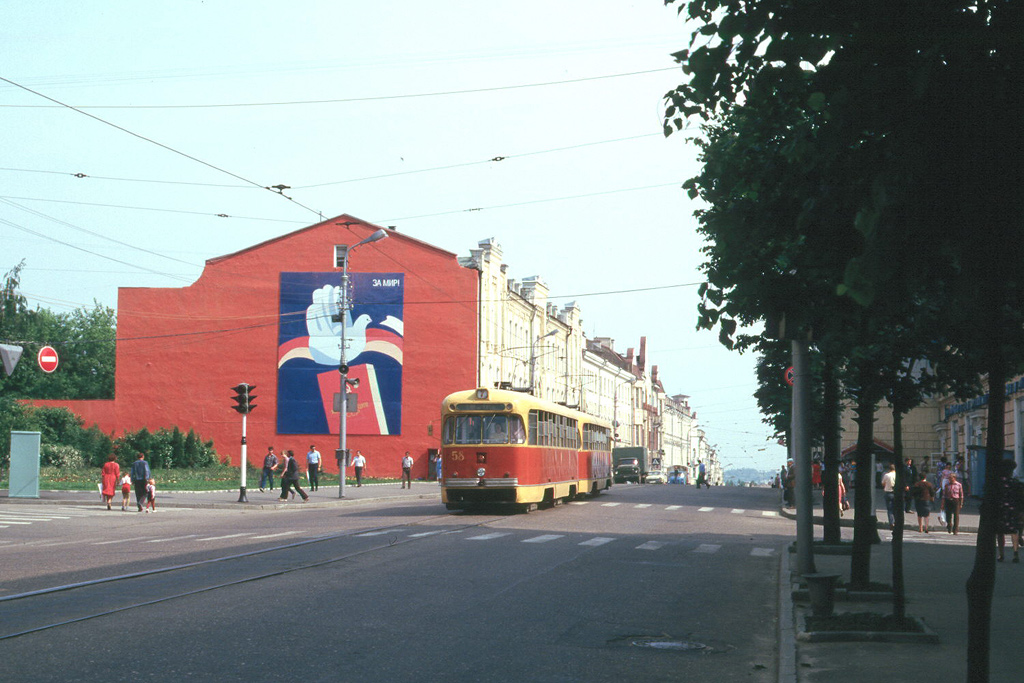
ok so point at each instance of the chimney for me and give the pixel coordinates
(641, 357)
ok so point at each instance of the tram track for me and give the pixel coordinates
(33, 611)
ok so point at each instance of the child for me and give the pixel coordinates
(126, 490)
(151, 496)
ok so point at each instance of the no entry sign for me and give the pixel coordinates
(47, 359)
(789, 375)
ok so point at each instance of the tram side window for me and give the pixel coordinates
(534, 428)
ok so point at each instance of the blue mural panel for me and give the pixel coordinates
(309, 351)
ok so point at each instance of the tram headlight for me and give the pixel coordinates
(481, 472)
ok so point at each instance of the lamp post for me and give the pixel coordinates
(533, 361)
(343, 307)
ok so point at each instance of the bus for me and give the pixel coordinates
(510, 448)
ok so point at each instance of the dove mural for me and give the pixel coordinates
(309, 352)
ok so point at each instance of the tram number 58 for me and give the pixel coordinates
(458, 455)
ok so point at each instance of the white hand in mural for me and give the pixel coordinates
(324, 331)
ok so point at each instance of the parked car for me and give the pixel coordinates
(656, 477)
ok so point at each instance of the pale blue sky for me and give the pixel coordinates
(134, 64)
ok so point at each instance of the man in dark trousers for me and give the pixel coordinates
(909, 479)
(140, 477)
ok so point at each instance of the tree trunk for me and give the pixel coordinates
(865, 526)
(899, 596)
(981, 583)
(830, 475)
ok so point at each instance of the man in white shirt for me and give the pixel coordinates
(313, 467)
(889, 487)
(407, 470)
(359, 462)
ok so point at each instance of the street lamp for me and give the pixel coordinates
(343, 307)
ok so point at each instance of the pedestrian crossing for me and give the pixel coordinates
(20, 518)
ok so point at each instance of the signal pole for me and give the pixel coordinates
(243, 400)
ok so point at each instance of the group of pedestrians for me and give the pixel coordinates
(290, 474)
(138, 477)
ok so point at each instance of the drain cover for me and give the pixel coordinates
(670, 644)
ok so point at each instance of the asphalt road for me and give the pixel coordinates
(651, 583)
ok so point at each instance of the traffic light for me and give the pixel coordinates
(244, 397)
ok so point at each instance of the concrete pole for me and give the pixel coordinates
(802, 459)
(343, 376)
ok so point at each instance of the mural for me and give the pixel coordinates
(309, 352)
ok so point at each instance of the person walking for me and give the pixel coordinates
(407, 471)
(909, 477)
(126, 490)
(359, 463)
(151, 495)
(140, 479)
(923, 493)
(889, 487)
(109, 475)
(953, 502)
(313, 467)
(702, 475)
(269, 465)
(440, 481)
(290, 477)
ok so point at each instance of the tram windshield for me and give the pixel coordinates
(487, 429)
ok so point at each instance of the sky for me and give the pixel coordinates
(535, 123)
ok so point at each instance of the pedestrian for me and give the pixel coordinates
(789, 484)
(953, 502)
(889, 487)
(140, 479)
(269, 465)
(909, 477)
(290, 477)
(313, 467)
(923, 493)
(816, 474)
(126, 490)
(1011, 511)
(109, 476)
(407, 470)
(440, 481)
(702, 477)
(359, 463)
(151, 495)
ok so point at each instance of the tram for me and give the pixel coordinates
(509, 448)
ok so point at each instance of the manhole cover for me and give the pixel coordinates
(682, 645)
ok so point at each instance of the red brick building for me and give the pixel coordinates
(261, 315)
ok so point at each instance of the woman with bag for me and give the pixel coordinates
(290, 478)
(109, 475)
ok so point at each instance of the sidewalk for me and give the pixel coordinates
(936, 567)
(228, 499)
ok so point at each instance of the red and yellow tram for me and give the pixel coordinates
(507, 447)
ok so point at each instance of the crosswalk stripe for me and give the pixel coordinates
(174, 538)
(542, 539)
(769, 513)
(762, 552)
(642, 505)
(579, 502)
(597, 540)
(373, 533)
(220, 538)
(610, 505)
(738, 512)
(487, 537)
(707, 548)
(705, 509)
(650, 545)
(674, 507)
(12, 521)
(426, 533)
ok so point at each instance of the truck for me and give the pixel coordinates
(631, 463)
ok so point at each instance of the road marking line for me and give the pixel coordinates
(175, 538)
(123, 540)
(283, 533)
(762, 552)
(579, 502)
(375, 533)
(543, 539)
(769, 513)
(705, 509)
(650, 545)
(487, 537)
(426, 533)
(610, 505)
(31, 516)
(643, 505)
(597, 540)
(11, 521)
(218, 538)
(707, 548)
(674, 507)
(738, 512)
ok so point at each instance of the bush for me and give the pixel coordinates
(166, 449)
(64, 457)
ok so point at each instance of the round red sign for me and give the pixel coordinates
(47, 359)
(789, 375)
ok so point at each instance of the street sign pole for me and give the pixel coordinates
(245, 463)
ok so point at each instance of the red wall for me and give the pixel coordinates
(180, 351)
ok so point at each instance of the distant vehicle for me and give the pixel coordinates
(509, 448)
(656, 477)
(676, 477)
(632, 463)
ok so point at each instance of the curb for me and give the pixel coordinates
(787, 672)
(926, 636)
